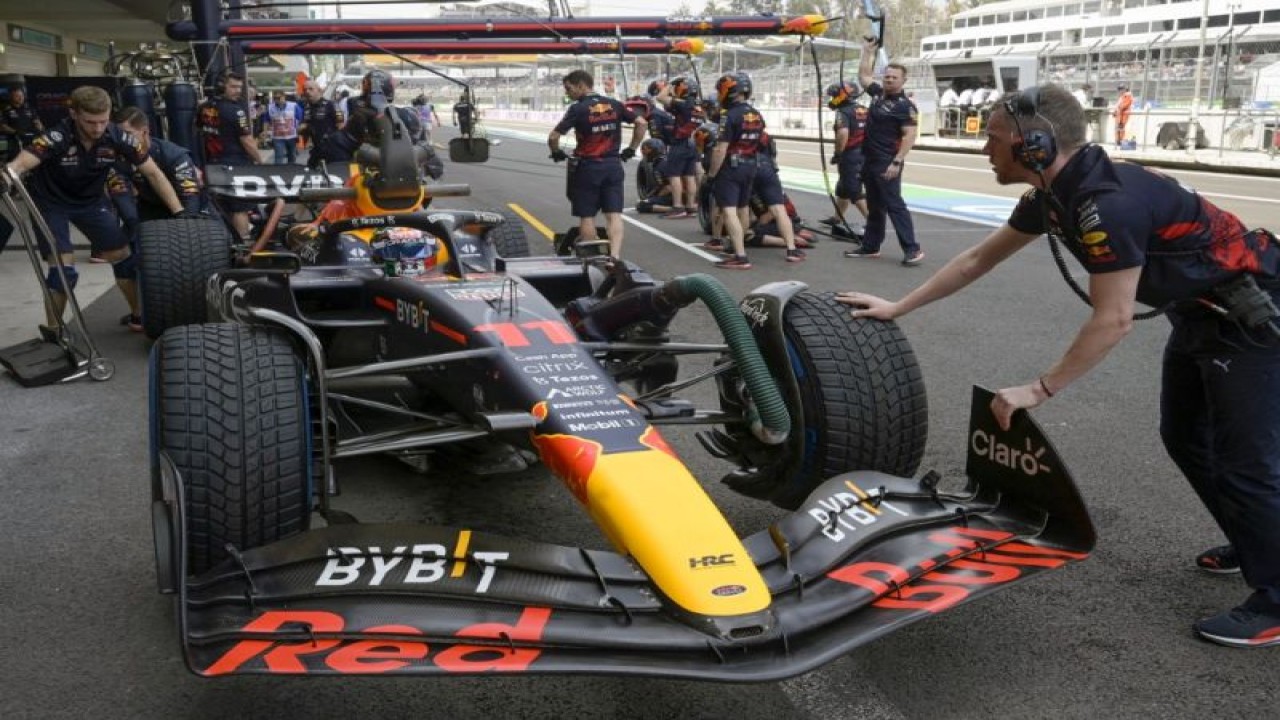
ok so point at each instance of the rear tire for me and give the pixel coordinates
(705, 206)
(176, 259)
(863, 399)
(647, 180)
(230, 409)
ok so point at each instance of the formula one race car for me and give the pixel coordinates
(382, 333)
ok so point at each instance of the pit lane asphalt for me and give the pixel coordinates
(86, 635)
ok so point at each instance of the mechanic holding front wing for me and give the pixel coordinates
(1218, 282)
(70, 163)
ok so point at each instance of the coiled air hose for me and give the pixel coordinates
(767, 414)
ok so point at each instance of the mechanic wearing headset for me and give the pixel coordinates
(227, 139)
(70, 163)
(733, 162)
(891, 131)
(851, 131)
(680, 98)
(596, 174)
(1220, 420)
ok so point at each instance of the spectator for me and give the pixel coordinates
(285, 116)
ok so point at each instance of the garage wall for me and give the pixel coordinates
(28, 60)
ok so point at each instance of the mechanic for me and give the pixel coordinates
(378, 89)
(654, 151)
(891, 131)
(19, 122)
(320, 116)
(464, 115)
(1220, 421)
(227, 139)
(595, 173)
(70, 163)
(680, 99)
(851, 130)
(764, 230)
(733, 162)
(134, 199)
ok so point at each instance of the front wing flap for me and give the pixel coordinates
(866, 554)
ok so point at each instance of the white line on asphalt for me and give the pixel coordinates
(672, 239)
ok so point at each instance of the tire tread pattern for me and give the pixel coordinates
(177, 257)
(863, 394)
(234, 421)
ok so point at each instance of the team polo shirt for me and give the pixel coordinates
(684, 114)
(889, 114)
(321, 118)
(221, 124)
(596, 122)
(1113, 216)
(742, 127)
(70, 174)
(854, 118)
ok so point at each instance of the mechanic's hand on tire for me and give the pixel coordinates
(869, 306)
(559, 155)
(627, 153)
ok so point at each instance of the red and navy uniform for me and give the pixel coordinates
(596, 183)
(682, 154)
(889, 116)
(24, 122)
(854, 118)
(221, 123)
(321, 117)
(1220, 421)
(136, 200)
(742, 129)
(69, 185)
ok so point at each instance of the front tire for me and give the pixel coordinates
(509, 239)
(176, 259)
(231, 411)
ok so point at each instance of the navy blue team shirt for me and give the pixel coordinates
(1114, 216)
(69, 174)
(596, 121)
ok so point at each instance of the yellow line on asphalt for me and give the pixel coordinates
(535, 222)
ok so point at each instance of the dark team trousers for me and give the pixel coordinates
(1220, 422)
(850, 169)
(884, 198)
(97, 221)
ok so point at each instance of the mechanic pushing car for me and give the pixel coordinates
(70, 163)
(1216, 280)
(595, 172)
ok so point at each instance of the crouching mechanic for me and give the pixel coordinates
(69, 165)
(596, 175)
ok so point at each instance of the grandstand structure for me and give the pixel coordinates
(1165, 50)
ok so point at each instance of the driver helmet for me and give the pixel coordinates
(409, 252)
(842, 92)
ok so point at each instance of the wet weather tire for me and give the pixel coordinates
(862, 396)
(233, 418)
(176, 259)
(509, 239)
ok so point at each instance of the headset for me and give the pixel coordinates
(1037, 148)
